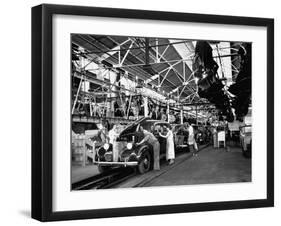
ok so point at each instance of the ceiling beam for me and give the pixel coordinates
(142, 49)
(181, 77)
(114, 50)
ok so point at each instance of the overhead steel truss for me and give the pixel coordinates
(157, 57)
(88, 53)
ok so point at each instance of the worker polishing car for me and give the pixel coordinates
(149, 138)
(128, 153)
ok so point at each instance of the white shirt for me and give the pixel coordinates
(191, 131)
(191, 135)
(112, 136)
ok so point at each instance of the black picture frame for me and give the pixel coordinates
(42, 111)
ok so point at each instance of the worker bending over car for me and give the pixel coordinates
(151, 139)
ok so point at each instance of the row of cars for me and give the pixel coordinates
(126, 153)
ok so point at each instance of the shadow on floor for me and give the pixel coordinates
(25, 213)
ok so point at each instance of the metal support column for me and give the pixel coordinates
(145, 104)
(181, 114)
(129, 106)
(196, 110)
(76, 97)
(146, 51)
(168, 111)
(157, 51)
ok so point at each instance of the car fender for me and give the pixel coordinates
(144, 148)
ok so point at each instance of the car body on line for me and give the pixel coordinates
(246, 140)
(180, 137)
(125, 152)
(202, 134)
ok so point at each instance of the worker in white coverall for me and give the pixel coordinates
(112, 135)
(191, 140)
(170, 148)
(151, 139)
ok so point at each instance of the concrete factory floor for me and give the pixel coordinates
(79, 173)
(209, 167)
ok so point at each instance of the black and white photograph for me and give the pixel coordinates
(140, 113)
(144, 112)
(150, 112)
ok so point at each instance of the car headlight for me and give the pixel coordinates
(129, 146)
(106, 146)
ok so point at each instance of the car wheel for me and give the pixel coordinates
(103, 169)
(145, 163)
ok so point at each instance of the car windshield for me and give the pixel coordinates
(80, 127)
(147, 125)
(177, 127)
(131, 128)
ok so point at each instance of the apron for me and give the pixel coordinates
(170, 149)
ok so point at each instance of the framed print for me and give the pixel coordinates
(147, 112)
